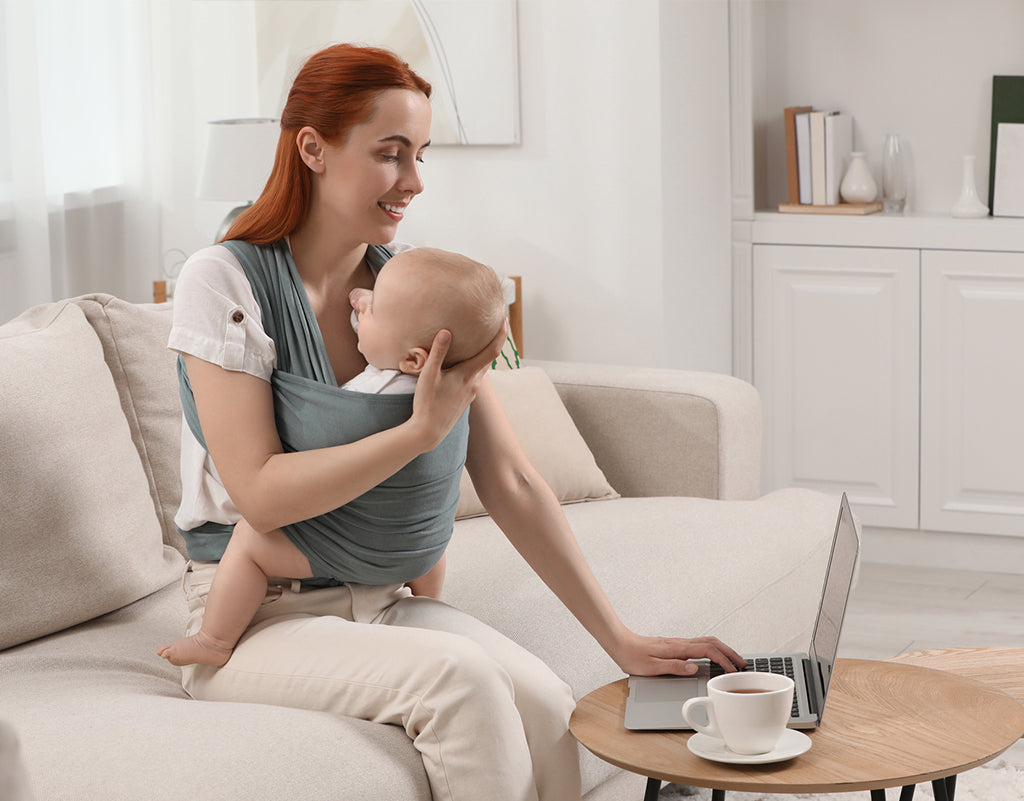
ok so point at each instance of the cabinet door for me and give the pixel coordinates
(836, 337)
(972, 392)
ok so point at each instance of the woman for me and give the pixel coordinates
(353, 132)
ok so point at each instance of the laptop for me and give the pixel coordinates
(655, 702)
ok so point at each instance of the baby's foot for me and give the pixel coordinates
(195, 650)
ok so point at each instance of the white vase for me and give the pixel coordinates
(969, 204)
(858, 186)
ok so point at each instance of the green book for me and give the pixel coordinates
(1007, 106)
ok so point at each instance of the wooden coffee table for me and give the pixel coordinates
(1002, 668)
(886, 725)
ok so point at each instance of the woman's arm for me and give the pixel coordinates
(527, 511)
(272, 488)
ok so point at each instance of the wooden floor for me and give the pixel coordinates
(895, 609)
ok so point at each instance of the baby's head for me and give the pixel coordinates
(419, 292)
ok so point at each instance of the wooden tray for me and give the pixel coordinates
(842, 208)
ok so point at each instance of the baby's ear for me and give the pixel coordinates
(414, 361)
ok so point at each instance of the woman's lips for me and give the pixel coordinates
(394, 210)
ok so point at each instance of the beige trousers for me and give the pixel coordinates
(489, 719)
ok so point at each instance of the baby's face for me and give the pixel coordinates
(392, 318)
(376, 330)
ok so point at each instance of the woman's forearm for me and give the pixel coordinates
(289, 487)
(533, 521)
(529, 514)
(272, 488)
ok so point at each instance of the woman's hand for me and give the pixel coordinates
(653, 656)
(443, 395)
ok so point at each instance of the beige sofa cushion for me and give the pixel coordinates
(147, 385)
(549, 439)
(80, 536)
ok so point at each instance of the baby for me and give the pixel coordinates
(417, 293)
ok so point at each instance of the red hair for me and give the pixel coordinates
(335, 90)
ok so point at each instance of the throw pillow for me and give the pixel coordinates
(549, 439)
(80, 537)
(134, 338)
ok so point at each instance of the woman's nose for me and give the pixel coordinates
(411, 180)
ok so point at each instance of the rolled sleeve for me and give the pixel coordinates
(216, 317)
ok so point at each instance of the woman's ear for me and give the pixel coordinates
(311, 148)
(414, 361)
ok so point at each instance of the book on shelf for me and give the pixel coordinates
(838, 146)
(792, 165)
(818, 143)
(803, 155)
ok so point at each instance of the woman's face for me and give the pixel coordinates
(369, 179)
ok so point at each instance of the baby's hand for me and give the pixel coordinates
(360, 299)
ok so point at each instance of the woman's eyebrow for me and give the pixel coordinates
(401, 139)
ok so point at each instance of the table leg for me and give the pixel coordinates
(654, 789)
(944, 789)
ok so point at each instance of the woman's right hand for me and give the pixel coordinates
(443, 395)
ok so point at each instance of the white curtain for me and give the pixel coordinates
(77, 212)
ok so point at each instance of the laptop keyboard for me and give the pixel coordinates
(782, 665)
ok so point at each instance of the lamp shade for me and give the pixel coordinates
(239, 157)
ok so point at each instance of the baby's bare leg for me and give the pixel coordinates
(236, 593)
(430, 583)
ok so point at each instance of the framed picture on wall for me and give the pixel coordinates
(1008, 119)
(1008, 190)
(466, 49)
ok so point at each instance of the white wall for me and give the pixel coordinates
(919, 68)
(695, 191)
(614, 208)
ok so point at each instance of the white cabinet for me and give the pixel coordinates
(972, 392)
(836, 355)
(895, 374)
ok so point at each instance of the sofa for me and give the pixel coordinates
(658, 471)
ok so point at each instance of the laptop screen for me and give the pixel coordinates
(838, 580)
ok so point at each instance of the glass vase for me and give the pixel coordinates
(894, 175)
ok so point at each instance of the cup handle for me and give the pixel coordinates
(711, 728)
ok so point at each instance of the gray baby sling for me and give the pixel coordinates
(391, 534)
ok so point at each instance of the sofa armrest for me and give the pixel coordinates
(657, 432)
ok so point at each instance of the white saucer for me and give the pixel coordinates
(792, 744)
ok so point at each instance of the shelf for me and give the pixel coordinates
(919, 231)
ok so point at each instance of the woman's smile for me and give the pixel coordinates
(396, 211)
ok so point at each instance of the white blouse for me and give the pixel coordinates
(217, 319)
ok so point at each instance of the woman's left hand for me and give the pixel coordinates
(653, 656)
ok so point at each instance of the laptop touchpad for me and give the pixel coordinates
(662, 690)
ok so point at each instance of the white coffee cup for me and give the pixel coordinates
(747, 710)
